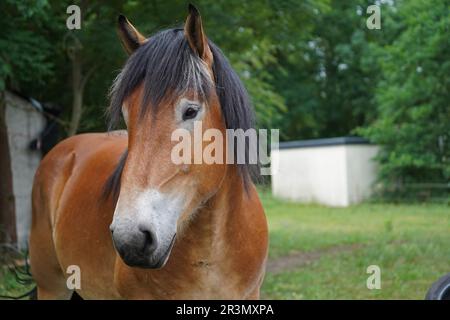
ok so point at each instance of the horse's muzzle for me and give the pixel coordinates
(141, 247)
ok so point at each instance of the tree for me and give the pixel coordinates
(413, 97)
(23, 59)
(89, 49)
(327, 78)
(24, 50)
(86, 61)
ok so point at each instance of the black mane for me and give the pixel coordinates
(166, 65)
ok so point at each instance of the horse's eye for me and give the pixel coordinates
(190, 113)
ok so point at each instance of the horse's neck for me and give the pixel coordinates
(226, 243)
(215, 222)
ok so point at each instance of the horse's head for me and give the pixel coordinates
(170, 81)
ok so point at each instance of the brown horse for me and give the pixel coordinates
(137, 225)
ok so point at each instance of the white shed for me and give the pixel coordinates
(20, 124)
(335, 172)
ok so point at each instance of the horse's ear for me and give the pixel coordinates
(131, 38)
(193, 30)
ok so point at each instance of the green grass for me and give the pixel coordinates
(410, 243)
(9, 285)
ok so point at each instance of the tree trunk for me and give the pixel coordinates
(7, 207)
(77, 91)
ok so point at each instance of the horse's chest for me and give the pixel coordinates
(203, 282)
(212, 283)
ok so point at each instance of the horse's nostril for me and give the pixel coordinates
(150, 243)
(148, 238)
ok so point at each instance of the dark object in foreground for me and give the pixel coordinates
(440, 290)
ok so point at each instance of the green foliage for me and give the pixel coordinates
(413, 97)
(24, 49)
(327, 79)
(250, 33)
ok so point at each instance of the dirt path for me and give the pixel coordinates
(300, 259)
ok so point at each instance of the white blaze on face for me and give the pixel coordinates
(161, 211)
(149, 210)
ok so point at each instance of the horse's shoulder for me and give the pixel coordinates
(84, 148)
(87, 143)
(95, 139)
